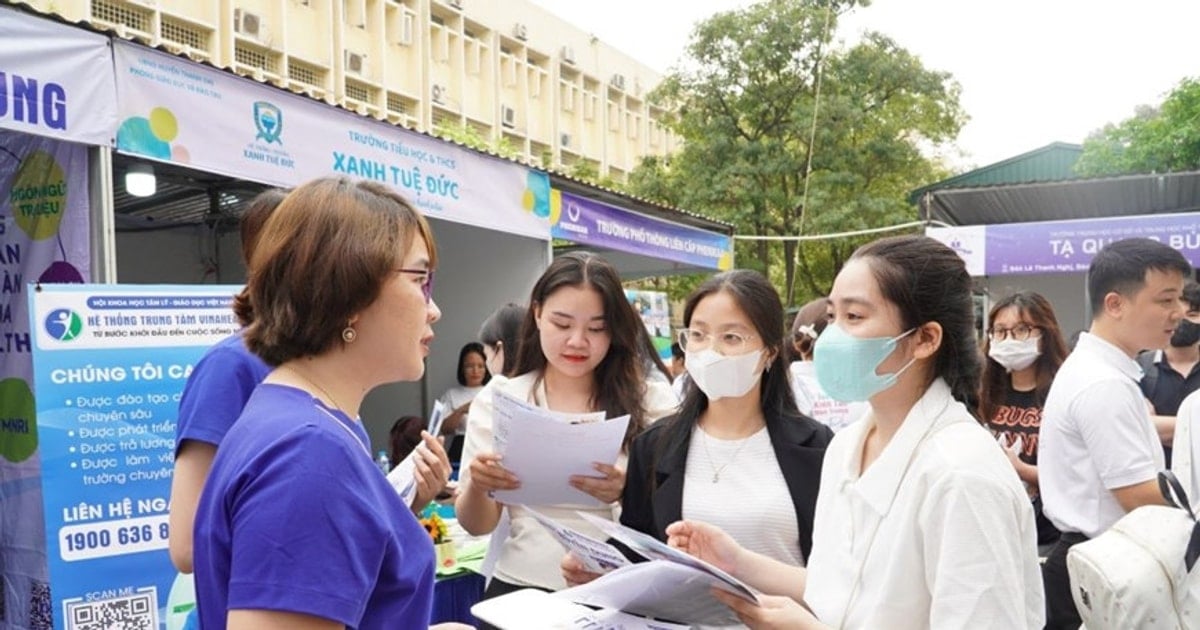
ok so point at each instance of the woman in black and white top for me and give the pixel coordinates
(738, 453)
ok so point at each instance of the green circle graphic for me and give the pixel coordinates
(18, 432)
(39, 195)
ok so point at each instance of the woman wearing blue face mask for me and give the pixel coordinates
(738, 454)
(921, 521)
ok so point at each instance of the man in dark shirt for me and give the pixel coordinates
(1174, 372)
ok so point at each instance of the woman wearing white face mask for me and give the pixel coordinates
(920, 522)
(1025, 348)
(738, 453)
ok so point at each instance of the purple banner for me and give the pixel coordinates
(590, 222)
(1068, 246)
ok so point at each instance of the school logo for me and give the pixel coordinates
(64, 324)
(573, 211)
(269, 120)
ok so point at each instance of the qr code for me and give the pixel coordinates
(138, 611)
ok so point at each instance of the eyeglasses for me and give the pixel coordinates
(426, 284)
(692, 340)
(1020, 332)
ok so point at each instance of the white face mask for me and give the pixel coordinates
(719, 376)
(1015, 355)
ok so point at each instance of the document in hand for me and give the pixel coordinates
(672, 585)
(543, 449)
(436, 418)
(531, 609)
(597, 556)
(402, 479)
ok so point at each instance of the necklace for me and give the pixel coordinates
(712, 462)
(320, 389)
(357, 440)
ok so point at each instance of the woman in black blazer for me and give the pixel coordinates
(738, 453)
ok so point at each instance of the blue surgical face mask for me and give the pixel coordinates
(846, 364)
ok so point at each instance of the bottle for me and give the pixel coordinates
(383, 462)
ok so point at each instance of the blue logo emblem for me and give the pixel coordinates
(269, 120)
(64, 324)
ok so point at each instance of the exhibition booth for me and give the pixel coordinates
(1042, 236)
(124, 164)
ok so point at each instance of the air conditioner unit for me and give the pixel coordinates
(439, 94)
(520, 31)
(568, 55)
(618, 81)
(247, 24)
(564, 139)
(457, 4)
(356, 63)
(508, 116)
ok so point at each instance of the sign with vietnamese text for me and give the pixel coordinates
(55, 80)
(110, 363)
(589, 222)
(175, 110)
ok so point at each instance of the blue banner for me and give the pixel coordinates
(110, 362)
(590, 222)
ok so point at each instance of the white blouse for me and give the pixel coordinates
(738, 486)
(529, 555)
(937, 533)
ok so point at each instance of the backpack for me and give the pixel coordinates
(1138, 574)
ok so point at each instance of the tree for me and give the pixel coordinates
(1154, 140)
(743, 103)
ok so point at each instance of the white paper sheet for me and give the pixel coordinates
(402, 479)
(655, 549)
(543, 449)
(436, 418)
(531, 609)
(660, 589)
(596, 555)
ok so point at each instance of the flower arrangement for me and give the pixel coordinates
(436, 528)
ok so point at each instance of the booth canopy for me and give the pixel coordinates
(1128, 195)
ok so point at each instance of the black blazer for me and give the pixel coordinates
(653, 495)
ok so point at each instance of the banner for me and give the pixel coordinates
(1063, 246)
(589, 222)
(174, 110)
(110, 362)
(43, 238)
(55, 80)
(654, 309)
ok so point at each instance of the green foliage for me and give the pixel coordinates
(743, 103)
(1154, 140)
(471, 137)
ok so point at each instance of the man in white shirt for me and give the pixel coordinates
(1099, 452)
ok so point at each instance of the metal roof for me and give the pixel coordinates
(1126, 195)
(1053, 162)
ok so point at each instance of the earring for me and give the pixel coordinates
(349, 334)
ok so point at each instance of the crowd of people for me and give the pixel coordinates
(890, 469)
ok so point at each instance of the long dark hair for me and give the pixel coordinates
(928, 282)
(1034, 310)
(618, 382)
(759, 300)
(503, 328)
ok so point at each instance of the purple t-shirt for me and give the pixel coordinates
(296, 517)
(216, 391)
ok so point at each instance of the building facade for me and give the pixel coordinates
(508, 69)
